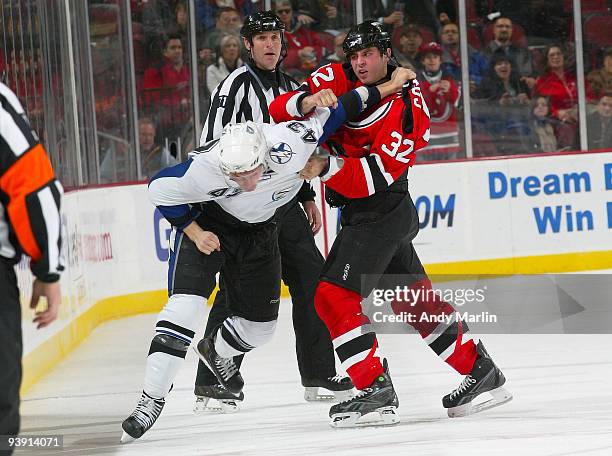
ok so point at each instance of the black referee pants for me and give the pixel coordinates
(301, 265)
(10, 351)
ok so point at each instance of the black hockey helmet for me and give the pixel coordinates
(264, 21)
(259, 22)
(365, 35)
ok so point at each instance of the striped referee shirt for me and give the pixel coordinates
(29, 194)
(245, 94)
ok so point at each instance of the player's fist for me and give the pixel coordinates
(322, 99)
(206, 241)
(402, 75)
(314, 167)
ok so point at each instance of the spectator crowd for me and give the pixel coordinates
(522, 78)
(521, 68)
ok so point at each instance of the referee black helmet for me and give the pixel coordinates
(264, 21)
(259, 22)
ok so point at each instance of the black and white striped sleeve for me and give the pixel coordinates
(30, 193)
(226, 104)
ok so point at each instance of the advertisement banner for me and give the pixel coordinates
(116, 242)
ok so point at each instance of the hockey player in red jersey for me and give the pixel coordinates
(379, 222)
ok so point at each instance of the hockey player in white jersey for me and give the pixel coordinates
(245, 95)
(247, 174)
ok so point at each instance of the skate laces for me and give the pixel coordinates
(226, 366)
(362, 393)
(467, 382)
(336, 378)
(147, 411)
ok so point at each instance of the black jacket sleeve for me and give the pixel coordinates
(306, 193)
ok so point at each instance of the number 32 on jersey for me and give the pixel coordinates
(397, 141)
(393, 149)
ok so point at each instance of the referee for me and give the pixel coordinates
(245, 95)
(29, 223)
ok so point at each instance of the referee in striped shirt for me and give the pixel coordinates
(245, 95)
(29, 224)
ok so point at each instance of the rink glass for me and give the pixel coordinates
(80, 68)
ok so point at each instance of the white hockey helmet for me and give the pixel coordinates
(242, 148)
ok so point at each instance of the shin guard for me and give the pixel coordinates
(352, 336)
(446, 339)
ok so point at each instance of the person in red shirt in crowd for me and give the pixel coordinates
(441, 94)
(558, 83)
(304, 47)
(167, 88)
(375, 243)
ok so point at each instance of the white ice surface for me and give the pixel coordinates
(561, 386)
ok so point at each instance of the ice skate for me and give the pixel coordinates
(224, 369)
(222, 400)
(376, 405)
(336, 388)
(140, 421)
(484, 378)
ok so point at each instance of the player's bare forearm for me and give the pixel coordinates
(315, 166)
(326, 97)
(206, 241)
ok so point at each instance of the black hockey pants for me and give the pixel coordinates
(10, 351)
(301, 265)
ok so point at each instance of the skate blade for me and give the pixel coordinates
(220, 406)
(315, 394)
(500, 397)
(384, 416)
(126, 438)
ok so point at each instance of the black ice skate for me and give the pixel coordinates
(336, 388)
(224, 369)
(224, 401)
(140, 421)
(374, 406)
(484, 378)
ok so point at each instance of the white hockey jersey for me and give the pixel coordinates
(200, 179)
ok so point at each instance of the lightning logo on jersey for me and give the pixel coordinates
(281, 153)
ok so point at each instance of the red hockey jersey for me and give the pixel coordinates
(378, 150)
